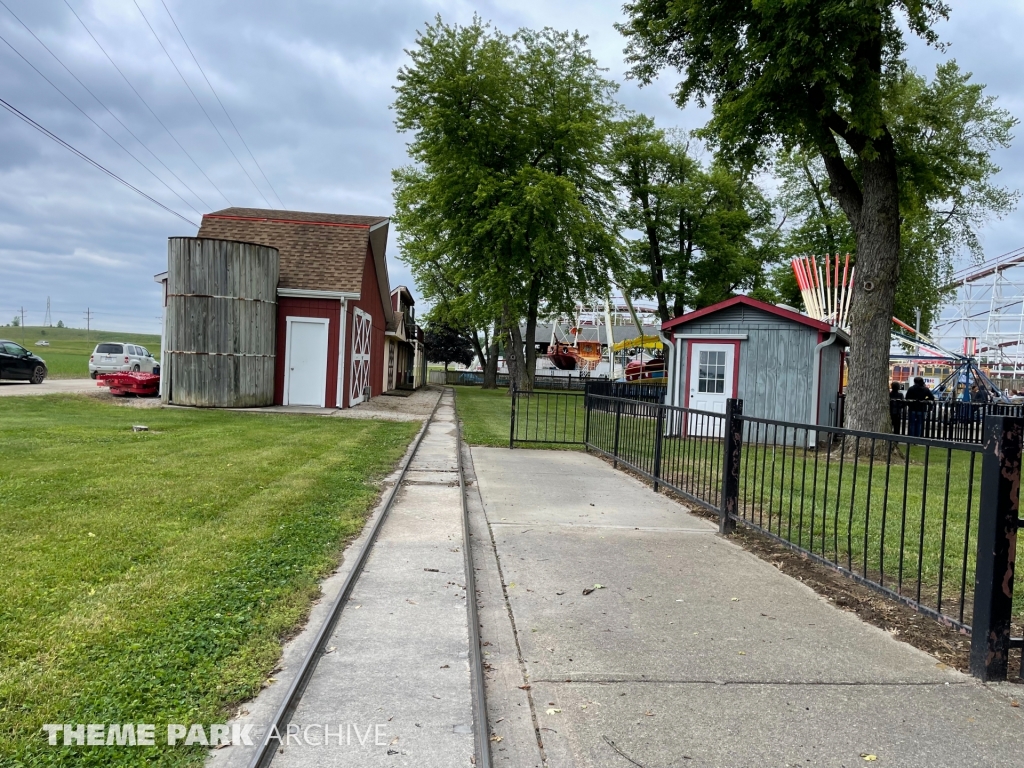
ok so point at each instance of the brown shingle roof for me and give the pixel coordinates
(319, 251)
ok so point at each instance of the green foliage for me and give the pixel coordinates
(707, 230)
(946, 130)
(60, 323)
(828, 77)
(150, 577)
(16, 322)
(505, 206)
(778, 71)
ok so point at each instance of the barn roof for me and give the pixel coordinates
(788, 314)
(319, 251)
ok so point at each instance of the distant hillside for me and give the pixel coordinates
(67, 357)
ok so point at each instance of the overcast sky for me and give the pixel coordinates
(308, 83)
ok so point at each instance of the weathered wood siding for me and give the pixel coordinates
(221, 323)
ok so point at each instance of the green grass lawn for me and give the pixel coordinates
(485, 415)
(150, 577)
(67, 357)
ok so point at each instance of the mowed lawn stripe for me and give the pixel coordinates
(149, 577)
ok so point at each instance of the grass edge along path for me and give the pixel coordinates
(151, 577)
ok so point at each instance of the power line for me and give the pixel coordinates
(21, 115)
(199, 102)
(100, 102)
(89, 118)
(228, 116)
(151, 111)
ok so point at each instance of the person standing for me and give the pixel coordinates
(896, 408)
(917, 396)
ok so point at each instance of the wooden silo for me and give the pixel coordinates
(221, 323)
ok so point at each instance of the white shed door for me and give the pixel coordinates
(362, 327)
(710, 377)
(307, 362)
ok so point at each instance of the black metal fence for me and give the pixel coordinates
(648, 393)
(952, 420)
(927, 522)
(568, 381)
(547, 417)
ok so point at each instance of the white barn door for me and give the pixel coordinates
(362, 326)
(306, 374)
(710, 375)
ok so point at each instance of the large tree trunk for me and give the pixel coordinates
(491, 369)
(877, 230)
(530, 363)
(517, 377)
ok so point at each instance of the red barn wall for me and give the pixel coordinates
(370, 303)
(289, 306)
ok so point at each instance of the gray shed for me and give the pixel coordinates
(782, 364)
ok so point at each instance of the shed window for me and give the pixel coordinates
(711, 377)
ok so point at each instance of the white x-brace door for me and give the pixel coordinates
(362, 326)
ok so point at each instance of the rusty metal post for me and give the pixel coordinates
(731, 451)
(997, 546)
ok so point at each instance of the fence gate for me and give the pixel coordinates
(554, 418)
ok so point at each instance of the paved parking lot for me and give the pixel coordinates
(48, 387)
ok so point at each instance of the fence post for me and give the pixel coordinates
(732, 449)
(586, 417)
(659, 429)
(997, 547)
(512, 422)
(615, 445)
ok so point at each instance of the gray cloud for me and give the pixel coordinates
(309, 84)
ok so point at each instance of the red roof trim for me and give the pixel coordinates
(796, 317)
(286, 221)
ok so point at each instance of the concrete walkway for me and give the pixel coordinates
(396, 685)
(694, 652)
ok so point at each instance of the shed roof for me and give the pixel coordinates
(787, 314)
(319, 251)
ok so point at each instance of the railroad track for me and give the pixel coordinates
(269, 745)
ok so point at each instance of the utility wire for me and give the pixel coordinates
(21, 115)
(100, 102)
(200, 103)
(89, 118)
(228, 116)
(151, 111)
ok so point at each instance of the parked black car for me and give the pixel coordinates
(16, 362)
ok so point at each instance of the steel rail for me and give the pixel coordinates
(481, 728)
(275, 733)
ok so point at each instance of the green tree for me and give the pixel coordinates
(706, 231)
(814, 75)
(950, 127)
(507, 188)
(16, 321)
(60, 323)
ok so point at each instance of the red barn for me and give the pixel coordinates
(334, 305)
